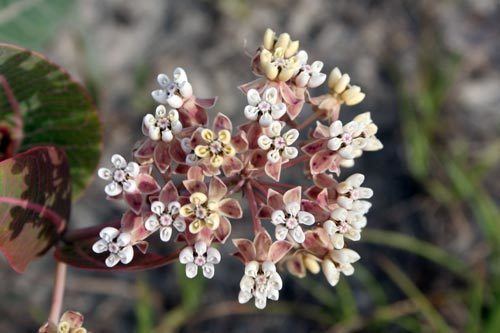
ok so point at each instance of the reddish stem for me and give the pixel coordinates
(295, 161)
(43, 211)
(58, 292)
(308, 121)
(252, 203)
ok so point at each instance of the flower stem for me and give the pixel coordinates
(252, 203)
(308, 121)
(58, 292)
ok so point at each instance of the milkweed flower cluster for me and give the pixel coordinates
(70, 322)
(214, 163)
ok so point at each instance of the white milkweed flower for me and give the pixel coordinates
(173, 92)
(339, 261)
(260, 281)
(340, 86)
(122, 176)
(265, 108)
(344, 224)
(117, 244)
(163, 125)
(164, 218)
(277, 145)
(350, 193)
(309, 75)
(200, 256)
(289, 221)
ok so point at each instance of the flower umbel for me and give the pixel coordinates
(163, 125)
(199, 257)
(173, 92)
(122, 176)
(117, 244)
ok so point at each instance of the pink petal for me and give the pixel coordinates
(324, 181)
(314, 147)
(181, 169)
(133, 200)
(223, 231)
(162, 157)
(295, 266)
(196, 138)
(313, 191)
(134, 225)
(321, 131)
(206, 103)
(195, 173)
(231, 165)
(74, 319)
(321, 161)
(191, 114)
(194, 186)
(245, 248)
(273, 170)
(230, 208)
(169, 193)
(222, 122)
(293, 195)
(262, 244)
(240, 142)
(274, 199)
(322, 198)
(142, 246)
(258, 159)
(253, 132)
(217, 189)
(147, 184)
(314, 208)
(265, 212)
(255, 84)
(146, 149)
(314, 243)
(294, 104)
(278, 250)
(176, 152)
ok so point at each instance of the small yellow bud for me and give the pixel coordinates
(342, 83)
(292, 49)
(268, 40)
(311, 264)
(334, 77)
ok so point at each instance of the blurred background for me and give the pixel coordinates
(430, 69)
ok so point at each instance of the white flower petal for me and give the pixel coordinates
(293, 208)
(273, 294)
(302, 79)
(213, 255)
(265, 120)
(316, 80)
(336, 128)
(334, 144)
(151, 223)
(174, 101)
(158, 207)
(179, 224)
(132, 169)
(179, 75)
(113, 189)
(200, 247)
(252, 268)
(163, 80)
(208, 270)
(191, 270)
(112, 260)
(165, 233)
(339, 214)
(253, 97)
(109, 233)
(331, 273)
(268, 267)
(123, 239)
(167, 135)
(247, 283)
(244, 297)
(271, 95)
(126, 254)
(251, 112)
(302, 57)
(118, 161)
(154, 133)
(278, 110)
(130, 186)
(281, 232)
(105, 173)
(186, 89)
(290, 153)
(264, 142)
(291, 136)
(260, 302)
(275, 128)
(278, 217)
(298, 234)
(273, 156)
(344, 202)
(186, 255)
(100, 246)
(159, 96)
(306, 218)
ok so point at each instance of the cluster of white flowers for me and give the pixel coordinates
(309, 75)
(339, 261)
(260, 281)
(200, 257)
(122, 176)
(347, 220)
(279, 145)
(351, 139)
(289, 221)
(164, 218)
(340, 86)
(173, 92)
(117, 244)
(163, 125)
(265, 108)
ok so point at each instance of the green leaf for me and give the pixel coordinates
(35, 200)
(55, 110)
(31, 23)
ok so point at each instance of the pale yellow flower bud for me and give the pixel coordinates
(311, 264)
(283, 41)
(292, 49)
(268, 40)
